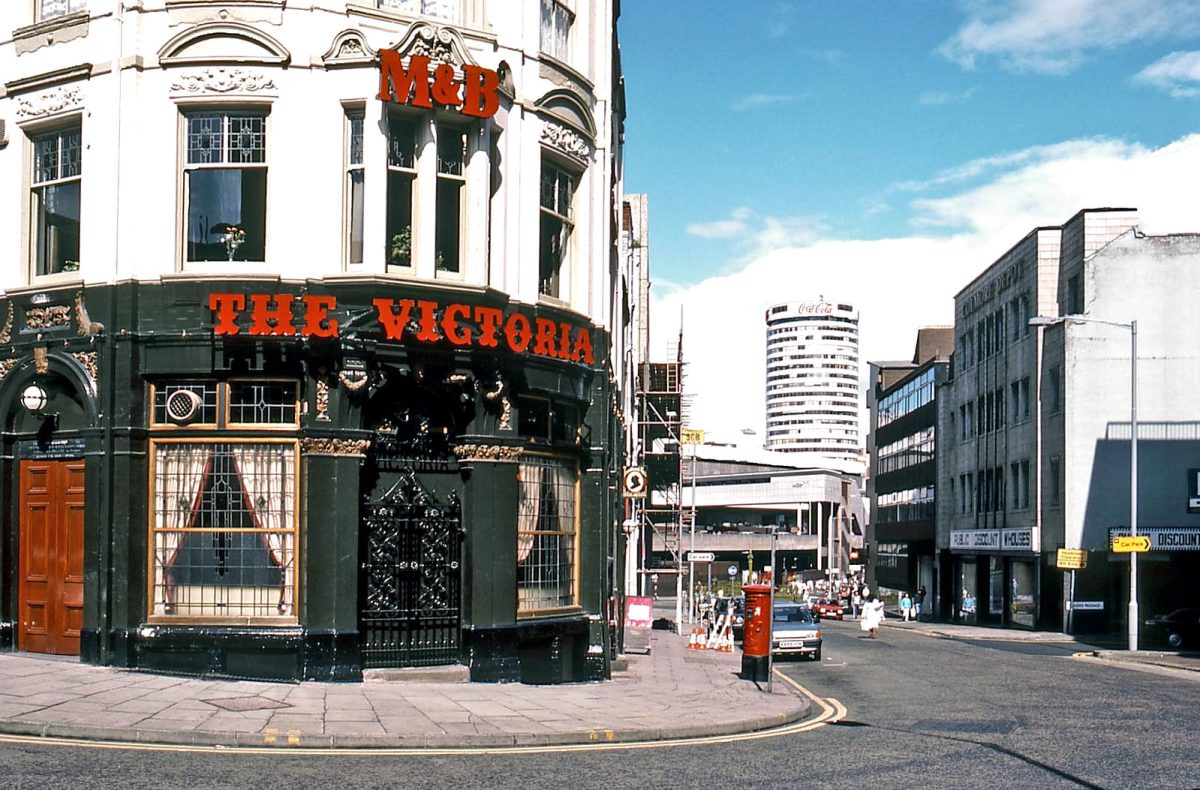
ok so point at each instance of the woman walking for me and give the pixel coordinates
(872, 616)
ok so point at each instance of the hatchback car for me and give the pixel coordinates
(1180, 628)
(794, 632)
(825, 607)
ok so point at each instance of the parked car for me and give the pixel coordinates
(1180, 628)
(794, 632)
(826, 607)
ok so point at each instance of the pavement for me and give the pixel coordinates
(671, 693)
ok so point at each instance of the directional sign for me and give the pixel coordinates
(1127, 544)
(701, 556)
(691, 436)
(635, 482)
(1071, 559)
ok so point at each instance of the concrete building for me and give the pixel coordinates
(902, 485)
(740, 496)
(812, 386)
(1036, 424)
(313, 335)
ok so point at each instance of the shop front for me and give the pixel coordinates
(998, 577)
(303, 480)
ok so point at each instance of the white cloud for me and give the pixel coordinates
(900, 284)
(759, 234)
(1178, 74)
(831, 56)
(756, 100)
(1055, 36)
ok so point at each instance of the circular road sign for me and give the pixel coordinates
(635, 481)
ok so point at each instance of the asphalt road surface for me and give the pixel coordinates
(920, 713)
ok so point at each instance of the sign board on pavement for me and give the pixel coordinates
(639, 618)
(1071, 559)
(1125, 544)
(701, 556)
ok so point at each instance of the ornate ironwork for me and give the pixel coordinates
(411, 577)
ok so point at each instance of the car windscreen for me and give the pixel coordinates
(792, 614)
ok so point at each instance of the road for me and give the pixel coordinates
(921, 712)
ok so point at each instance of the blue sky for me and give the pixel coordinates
(827, 115)
(884, 153)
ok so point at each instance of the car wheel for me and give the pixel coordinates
(1175, 640)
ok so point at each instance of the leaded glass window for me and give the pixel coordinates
(225, 176)
(556, 29)
(355, 186)
(49, 9)
(223, 530)
(262, 403)
(57, 181)
(546, 534)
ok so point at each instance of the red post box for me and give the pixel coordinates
(756, 633)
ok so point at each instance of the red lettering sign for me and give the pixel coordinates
(422, 321)
(476, 95)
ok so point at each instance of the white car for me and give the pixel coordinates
(794, 632)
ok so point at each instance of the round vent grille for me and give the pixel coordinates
(183, 406)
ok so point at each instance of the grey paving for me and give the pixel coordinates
(671, 693)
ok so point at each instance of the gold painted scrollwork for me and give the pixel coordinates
(329, 446)
(487, 452)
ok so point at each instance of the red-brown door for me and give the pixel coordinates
(51, 556)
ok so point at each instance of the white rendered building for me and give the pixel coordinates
(812, 385)
(303, 277)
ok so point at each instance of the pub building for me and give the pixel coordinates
(312, 336)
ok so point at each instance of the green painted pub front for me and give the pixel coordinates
(263, 478)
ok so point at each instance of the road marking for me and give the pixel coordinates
(831, 710)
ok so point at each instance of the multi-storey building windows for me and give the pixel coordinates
(448, 10)
(912, 396)
(225, 185)
(55, 194)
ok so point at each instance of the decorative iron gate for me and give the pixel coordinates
(412, 577)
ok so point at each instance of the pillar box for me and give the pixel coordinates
(756, 633)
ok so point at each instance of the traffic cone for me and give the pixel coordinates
(692, 640)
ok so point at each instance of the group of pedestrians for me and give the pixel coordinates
(911, 605)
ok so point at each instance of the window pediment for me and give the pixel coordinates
(223, 42)
(439, 44)
(567, 107)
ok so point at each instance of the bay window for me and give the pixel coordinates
(355, 186)
(546, 534)
(451, 178)
(402, 176)
(225, 185)
(557, 191)
(55, 193)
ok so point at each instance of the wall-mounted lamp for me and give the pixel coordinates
(34, 399)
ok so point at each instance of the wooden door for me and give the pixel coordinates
(51, 556)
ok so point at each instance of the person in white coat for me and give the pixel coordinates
(872, 616)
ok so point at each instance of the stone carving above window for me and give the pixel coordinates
(223, 42)
(439, 44)
(55, 100)
(225, 81)
(47, 317)
(566, 141)
(349, 48)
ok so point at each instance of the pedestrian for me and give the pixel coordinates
(968, 607)
(905, 606)
(918, 602)
(856, 602)
(872, 616)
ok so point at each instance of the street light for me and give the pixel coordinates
(1133, 455)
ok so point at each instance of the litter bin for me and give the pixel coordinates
(756, 633)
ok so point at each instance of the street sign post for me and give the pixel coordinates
(1131, 544)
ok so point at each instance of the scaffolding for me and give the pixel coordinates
(663, 409)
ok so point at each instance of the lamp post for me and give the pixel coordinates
(1133, 454)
